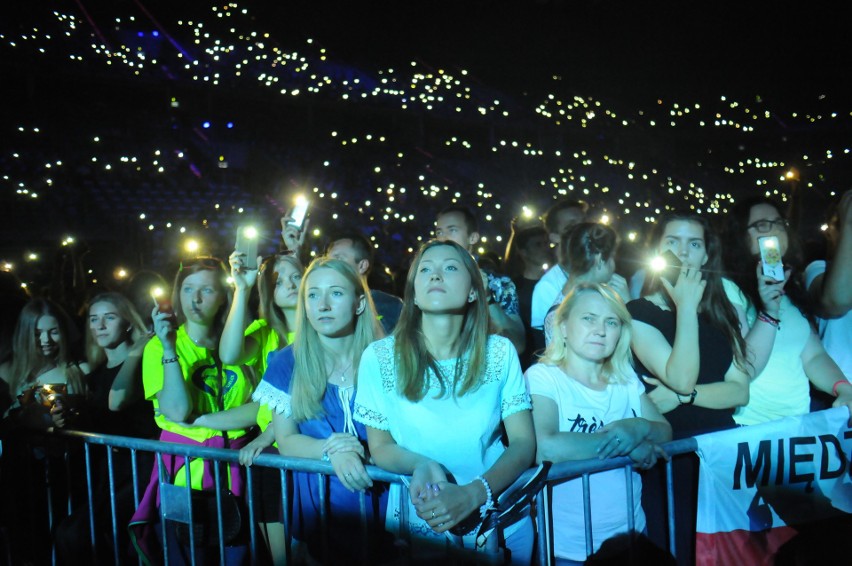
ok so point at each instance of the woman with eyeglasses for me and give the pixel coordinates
(784, 349)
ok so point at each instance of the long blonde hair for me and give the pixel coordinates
(269, 311)
(413, 359)
(309, 382)
(27, 359)
(617, 366)
(130, 320)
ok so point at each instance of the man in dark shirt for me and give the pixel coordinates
(458, 224)
(354, 249)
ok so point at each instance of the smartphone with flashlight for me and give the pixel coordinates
(246, 244)
(669, 267)
(51, 393)
(770, 257)
(299, 213)
(162, 302)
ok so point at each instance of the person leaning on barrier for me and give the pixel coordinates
(433, 397)
(197, 399)
(588, 403)
(785, 349)
(689, 350)
(47, 387)
(310, 388)
(115, 405)
(251, 343)
(46, 383)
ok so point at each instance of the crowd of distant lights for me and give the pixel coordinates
(222, 48)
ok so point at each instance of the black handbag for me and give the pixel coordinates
(204, 519)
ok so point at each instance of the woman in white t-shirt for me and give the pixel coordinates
(784, 349)
(433, 397)
(588, 403)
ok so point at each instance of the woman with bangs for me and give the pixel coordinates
(434, 396)
(310, 388)
(588, 403)
(198, 399)
(46, 383)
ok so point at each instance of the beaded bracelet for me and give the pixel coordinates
(839, 382)
(170, 360)
(489, 497)
(762, 316)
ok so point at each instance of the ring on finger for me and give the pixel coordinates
(433, 513)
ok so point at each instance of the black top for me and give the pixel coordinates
(137, 420)
(716, 356)
(525, 288)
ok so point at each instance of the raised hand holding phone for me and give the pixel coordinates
(770, 257)
(163, 317)
(684, 285)
(246, 247)
(294, 225)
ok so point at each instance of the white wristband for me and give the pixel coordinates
(489, 497)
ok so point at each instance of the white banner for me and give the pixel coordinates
(758, 483)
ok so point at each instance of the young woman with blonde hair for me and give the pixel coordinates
(588, 403)
(310, 387)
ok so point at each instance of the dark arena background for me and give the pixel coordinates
(131, 129)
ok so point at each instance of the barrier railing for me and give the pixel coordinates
(177, 505)
(584, 469)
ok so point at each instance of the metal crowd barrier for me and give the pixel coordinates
(172, 510)
(584, 469)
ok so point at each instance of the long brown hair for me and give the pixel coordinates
(714, 304)
(27, 359)
(740, 262)
(413, 360)
(309, 372)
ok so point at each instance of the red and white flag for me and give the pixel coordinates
(758, 483)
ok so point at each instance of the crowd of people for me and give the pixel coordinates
(461, 377)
